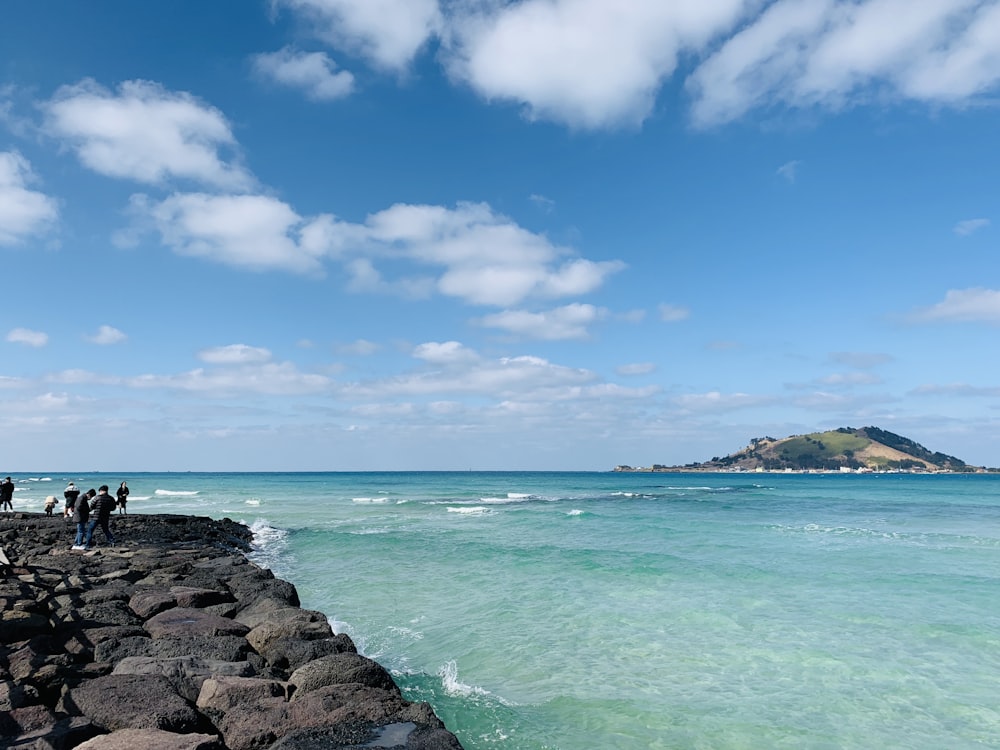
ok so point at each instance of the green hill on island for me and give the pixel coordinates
(843, 449)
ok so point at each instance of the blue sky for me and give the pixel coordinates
(458, 234)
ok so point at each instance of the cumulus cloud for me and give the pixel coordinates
(23, 212)
(234, 354)
(968, 226)
(387, 32)
(447, 352)
(834, 54)
(256, 232)
(468, 252)
(27, 337)
(590, 63)
(976, 305)
(601, 63)
(483, 258)
(312, 72)
(145, 133)
(568, 322)
(107, 335)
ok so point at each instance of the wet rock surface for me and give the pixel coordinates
(174, 640)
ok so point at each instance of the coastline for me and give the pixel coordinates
(174, 639)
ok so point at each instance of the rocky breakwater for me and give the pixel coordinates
(173, 640)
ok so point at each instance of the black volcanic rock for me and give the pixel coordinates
(173, 640)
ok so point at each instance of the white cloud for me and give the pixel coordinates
(637, 368)
(673, 313)
(107, 335)
(835, 54)
(23, 212)
(963, 306)
(718, 401)
(234, 354)
(387, 32)
(486, 259)
(467, 375)
(789, 170)
(967, 227)
(312, 72)
(270, 378)
(249, 231)
(28, 337)
(448, 352)
(589, 63)
(361, 347)
(145, 133)
(861, 360)
(568, 322)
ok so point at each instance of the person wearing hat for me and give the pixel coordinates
(71, 494)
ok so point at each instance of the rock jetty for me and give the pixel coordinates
(174, 640)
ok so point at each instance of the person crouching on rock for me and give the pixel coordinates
(101, 512)
(50, 503)
(81, 514)
(71, 494)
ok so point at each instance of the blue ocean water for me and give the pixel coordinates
(558, 611)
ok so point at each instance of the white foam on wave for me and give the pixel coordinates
(253, 501)
(176, 493)
(474, 510)
(268, 544)
(139, 497)
(369, 499)
(448, 673)
(576, 512)
(518, 495)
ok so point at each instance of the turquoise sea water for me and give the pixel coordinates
(560, 611)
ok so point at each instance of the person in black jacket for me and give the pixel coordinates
(101, 511)
(122, 497)
(6, 494)
(81, 514)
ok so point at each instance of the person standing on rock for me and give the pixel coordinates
(101, 510)
(81, 514)
(122, 497)
(7, 495)
(71, 494)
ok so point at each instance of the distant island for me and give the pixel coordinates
(844, 450)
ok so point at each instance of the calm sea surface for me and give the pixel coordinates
(562, 611)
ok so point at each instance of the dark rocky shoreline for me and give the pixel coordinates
(173, 640)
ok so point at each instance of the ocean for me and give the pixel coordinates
(568, 611)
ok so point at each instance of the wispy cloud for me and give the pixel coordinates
(789, 170)
(673, 313)
(27, 337)
(976, 305)
(967, 227)
(312, 72)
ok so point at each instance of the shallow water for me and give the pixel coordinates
(600, 610)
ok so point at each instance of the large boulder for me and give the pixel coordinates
(339, 669)
(188, 621)
(152, 739)
(121, 701)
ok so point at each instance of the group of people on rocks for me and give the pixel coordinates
(87, 510)
(91, 509)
